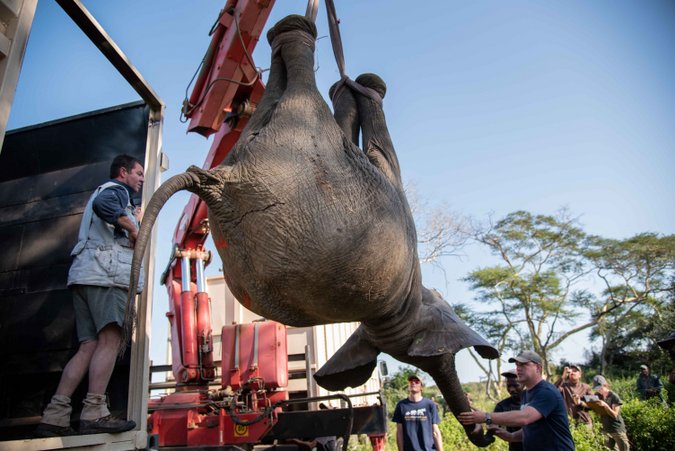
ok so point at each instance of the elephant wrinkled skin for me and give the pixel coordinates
(311, 229)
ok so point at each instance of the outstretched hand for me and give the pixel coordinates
(473, 417)
(500, 432)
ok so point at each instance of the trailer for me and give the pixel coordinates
(243, 386)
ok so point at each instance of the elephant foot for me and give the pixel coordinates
(292, 23)
(373, 82)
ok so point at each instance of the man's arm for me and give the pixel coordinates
(110, 205)
(615, 410)
(513, 418)
(438, 438)
(563, 377)
(130, 227)
(399, 436)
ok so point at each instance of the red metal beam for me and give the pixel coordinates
(228, 71)
(228, 79)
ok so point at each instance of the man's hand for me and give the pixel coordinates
(500, 432)
(473, 417)
(130, 227)
(566, 373)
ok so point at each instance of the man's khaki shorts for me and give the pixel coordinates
(96, 307)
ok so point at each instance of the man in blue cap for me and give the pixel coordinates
(543, 416)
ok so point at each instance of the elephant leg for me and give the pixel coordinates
(276, 84)
(377, 142)
(345, 111)
(274, 90)
(442, 370)
(294, 37)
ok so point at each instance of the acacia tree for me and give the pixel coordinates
(638, 276)
(533, 296)
(538, 295)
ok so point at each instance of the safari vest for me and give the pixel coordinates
(100, 258)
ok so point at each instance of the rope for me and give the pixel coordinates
(291, 37)
(336, 41)
(312, 9)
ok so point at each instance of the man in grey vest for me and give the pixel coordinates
(99, 280)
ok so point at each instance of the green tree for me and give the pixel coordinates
(532, 296)
(541, 293)
(635, 308)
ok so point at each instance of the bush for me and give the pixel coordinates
(649, 425)
(454, 437)
(586, 439)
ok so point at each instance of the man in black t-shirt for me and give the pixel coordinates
(511, 403)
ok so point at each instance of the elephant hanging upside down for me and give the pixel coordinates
(313, 230)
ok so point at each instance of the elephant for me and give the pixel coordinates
(311, 229)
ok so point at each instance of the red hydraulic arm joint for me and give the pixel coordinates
(225, 94)
(193, 355)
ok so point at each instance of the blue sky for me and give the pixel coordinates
(493, 106)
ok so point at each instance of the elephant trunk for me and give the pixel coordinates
(185, 181)
(444, 374)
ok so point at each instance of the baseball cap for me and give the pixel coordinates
(414, 377)
(598, 382)
(526, 356)
(510, 374)
(574, 365)
(644, 367)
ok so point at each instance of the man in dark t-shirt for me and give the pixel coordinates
(417, 421)
(511, 403)
(542, 414)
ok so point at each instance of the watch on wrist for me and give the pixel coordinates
(488, 419)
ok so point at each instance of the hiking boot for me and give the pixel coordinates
(49, 430)
(108, 424)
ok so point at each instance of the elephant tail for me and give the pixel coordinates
(190, 181)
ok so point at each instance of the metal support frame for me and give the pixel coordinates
(140, 349)
(17, 17)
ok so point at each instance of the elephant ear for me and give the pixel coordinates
(442, 331)
(350, 366)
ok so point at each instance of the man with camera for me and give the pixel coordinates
(573, 392)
